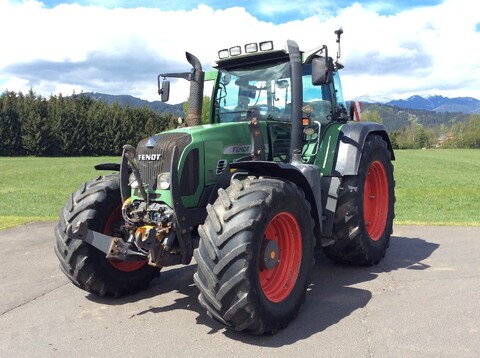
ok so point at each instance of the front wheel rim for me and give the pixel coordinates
(278, 281)
(375, 200)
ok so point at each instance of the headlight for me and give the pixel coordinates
(235, 51)
(252, 47)
(164, 181)
(223, 54)
(134, 184)
(266, 46)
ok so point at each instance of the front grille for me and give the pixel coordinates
(221, 165)
(154, 155)
(189, 179)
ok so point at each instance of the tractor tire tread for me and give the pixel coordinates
(352, 244)
(83, 264)
(223, 276)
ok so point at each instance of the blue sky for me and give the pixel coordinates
(392, 49)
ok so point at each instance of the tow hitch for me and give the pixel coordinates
(113, 247)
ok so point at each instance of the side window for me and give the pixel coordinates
(338, 90)
(319, 98)
(227, 97)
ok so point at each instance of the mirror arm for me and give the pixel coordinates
(312, 53)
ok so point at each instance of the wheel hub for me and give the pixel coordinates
(270, 254)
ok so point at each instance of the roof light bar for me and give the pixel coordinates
(249, 48)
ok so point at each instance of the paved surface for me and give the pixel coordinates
(423, 300)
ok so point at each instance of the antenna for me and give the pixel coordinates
(339, 33)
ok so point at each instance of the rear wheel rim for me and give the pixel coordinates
(125, 266)
(375, 200)
(278, 282)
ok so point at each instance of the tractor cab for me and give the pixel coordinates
(256, 81)
(262, 81)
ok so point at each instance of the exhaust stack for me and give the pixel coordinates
(195, 99)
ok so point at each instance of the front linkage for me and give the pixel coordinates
(152, 232)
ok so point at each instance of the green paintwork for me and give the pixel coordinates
(159, 195)
(215, 142)
(328, 146)
(230, 141)
(211, 75)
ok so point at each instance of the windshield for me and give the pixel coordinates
(265, 92)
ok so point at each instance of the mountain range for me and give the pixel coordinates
(122, 100)
(439, 104)
(435, 103)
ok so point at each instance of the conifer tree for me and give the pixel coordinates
(10, 127)
(36, 128)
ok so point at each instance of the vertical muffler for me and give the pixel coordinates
(195, 99)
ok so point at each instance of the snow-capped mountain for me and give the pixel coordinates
(366, 98)
(428, 102)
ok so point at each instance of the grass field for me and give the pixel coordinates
(438, 187)
(434, 187)
(34, 189)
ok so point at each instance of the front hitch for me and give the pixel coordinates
(113, 247)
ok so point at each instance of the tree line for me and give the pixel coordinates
(415, 134)
(72, 125)
(78, 125)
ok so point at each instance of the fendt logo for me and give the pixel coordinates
(151, 157)
(237, 149)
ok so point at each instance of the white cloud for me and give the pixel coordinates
(303, 8)
(428, 50)
(120, 51)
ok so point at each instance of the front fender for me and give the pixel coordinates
(305, 176)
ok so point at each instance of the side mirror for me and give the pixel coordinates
(321, 73)
(164, 92)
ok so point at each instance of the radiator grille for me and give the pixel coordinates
(221, 165)
(160, 149)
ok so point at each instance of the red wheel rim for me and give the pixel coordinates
(375, 200)
(129, 266)
(278, 282)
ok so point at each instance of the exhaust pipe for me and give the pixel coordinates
(297, 102)
(195, 100)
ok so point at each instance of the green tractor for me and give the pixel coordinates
(282, 170)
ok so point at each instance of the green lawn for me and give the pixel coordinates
(35, 189)
(435, 187)
(438, 187)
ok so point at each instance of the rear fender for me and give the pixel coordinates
(351, 140)
(350, 148)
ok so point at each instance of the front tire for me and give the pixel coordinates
(98, 202)
(365, 208)
(255, 255)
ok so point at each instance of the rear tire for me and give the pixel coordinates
(365, 208)
(98, 202)
(255, 255)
